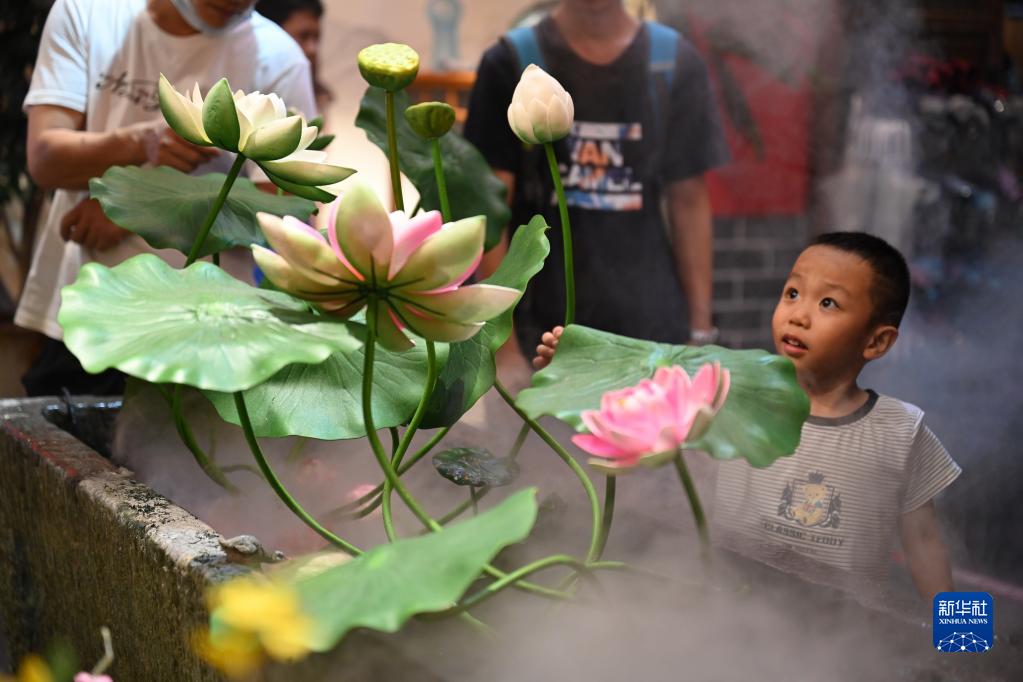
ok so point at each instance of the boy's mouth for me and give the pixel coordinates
(793, 345)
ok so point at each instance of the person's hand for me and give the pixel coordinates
(86, 224)
(548, 344)
(164, 147)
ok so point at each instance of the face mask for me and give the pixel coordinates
(192, 18)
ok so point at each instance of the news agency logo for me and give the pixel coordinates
(964, 622)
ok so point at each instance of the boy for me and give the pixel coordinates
(866, 465)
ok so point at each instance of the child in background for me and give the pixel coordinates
(866, 466)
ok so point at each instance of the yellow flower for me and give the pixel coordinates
(32, 669)
(249, 617)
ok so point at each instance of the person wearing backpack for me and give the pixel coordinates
(646, 130)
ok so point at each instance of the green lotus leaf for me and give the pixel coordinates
(475, 467)
(198, 326)
(166, 207)
(470, 370)
(430, 120)
(473, 189)
(393, 582)
(762, 417)
(390, 66)
(325, 401)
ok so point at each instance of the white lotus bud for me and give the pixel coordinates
(541, 109)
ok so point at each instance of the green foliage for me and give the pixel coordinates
(393, 582)
(325, 401)
(166, 207)
(760, 421)
(472, 188)
(198, 326)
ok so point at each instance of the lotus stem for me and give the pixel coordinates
(694, 503)
(413, 426)
(610, 483)
(392, 151)
(208, 466)
(566, 235)
(391, 476)
(591, 492)
(405, 466)
(442, 188)
(200, 239)
(278, 487)
(511, 578)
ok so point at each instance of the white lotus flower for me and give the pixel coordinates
(259, 127)
(541, 109)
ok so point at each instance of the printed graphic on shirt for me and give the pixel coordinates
(811, 502)
(141, 91)
(598, 177)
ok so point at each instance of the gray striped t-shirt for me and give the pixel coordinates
(830, 512)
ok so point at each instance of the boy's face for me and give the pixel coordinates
(217, 13)
(823, 322)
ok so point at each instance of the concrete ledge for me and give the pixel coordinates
(83, 545)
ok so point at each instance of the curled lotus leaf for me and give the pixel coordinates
(475, 467)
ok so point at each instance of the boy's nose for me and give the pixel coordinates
(799, 316)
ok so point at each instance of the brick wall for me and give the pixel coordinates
(752, 256)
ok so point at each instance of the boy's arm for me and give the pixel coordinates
(925, 551)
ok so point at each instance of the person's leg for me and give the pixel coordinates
(57, 370)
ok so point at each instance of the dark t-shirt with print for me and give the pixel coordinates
(621, 152)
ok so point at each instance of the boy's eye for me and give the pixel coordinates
(791, 294)
(828, 303)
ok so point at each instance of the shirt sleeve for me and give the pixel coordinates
(486, 125)
(61, 75)
(695, 142)
(931, 470)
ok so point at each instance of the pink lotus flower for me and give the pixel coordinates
(414, 266)
(86, 677)
(648, 422)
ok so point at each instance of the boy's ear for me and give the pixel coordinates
(880, 342)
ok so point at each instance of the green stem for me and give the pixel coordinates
(215, 209)
(216, 259)
(390, 475)
(394, 441)
(474, 498)
(188, 438)
(610, 483)
(511, 579)
(519, 440)
(460, 509)
(375, 492)
(442, 188)
(392, 151)
(413, 425)
(694, 503)
(278, 487)
(591, 492)
(566, 234)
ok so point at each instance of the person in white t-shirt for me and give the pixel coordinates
(93, 105)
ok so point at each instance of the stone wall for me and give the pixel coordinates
(752, 257)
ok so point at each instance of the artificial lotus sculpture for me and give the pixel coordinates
(648, 423)
(256, 126)
(541, 110)
(414, 266)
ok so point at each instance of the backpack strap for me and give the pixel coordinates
(663, 53)
(523, 39)
(663, 50)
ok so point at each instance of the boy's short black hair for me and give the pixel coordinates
(278, 11)
(890, 290)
